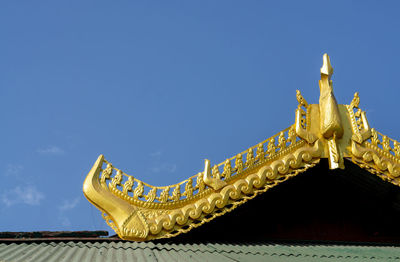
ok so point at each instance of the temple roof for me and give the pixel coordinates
(70, 251)
(139, 211)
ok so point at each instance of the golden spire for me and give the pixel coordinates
(326, 68)
(330, 123)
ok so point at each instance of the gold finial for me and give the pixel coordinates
(326, 68)
(331, 127)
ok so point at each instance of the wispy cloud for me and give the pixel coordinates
(27, 195)
(157, 153)
(51, 150)
(168, 168)
(158, 166)
(65, 222)
(14, 170)
(69, 204)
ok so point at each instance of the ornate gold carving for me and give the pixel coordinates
(215, 182)
(105, 175)
(331, 127)
(385, 144)
(282, 141)
(377, 159)
(250, 157)
(200, 183)
(116, 181)
(291, 135)
(189, 188)
(164, 196)
(260, 152)
(128, 185)
(359, 122)
(227, 169)
(292, 163)
(215, 172)
(176, 194)
(324, 130)
(356, 101)
(396, 149)
(300, 99)
(301, 128)
(138, 191)
(151, 196)
(374, 137)
(271, 149)
(239, 163)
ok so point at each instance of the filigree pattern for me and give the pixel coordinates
(215, 172)
(189, 188)
(227, 169)
(376, 158)
(271, 147)
(359, 122)
(139, 197)
(239, 163)
(250, 157)
(247, 186)
(128, 185)
(200, 183)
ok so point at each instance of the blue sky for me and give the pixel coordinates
(158, 86)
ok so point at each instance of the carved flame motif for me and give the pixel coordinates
(139, 211)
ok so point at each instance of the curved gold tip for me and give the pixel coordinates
(123, 215)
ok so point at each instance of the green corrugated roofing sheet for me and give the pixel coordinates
(133, 251)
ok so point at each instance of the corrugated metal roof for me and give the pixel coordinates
(133, 251)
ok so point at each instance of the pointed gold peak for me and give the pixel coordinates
(326, 68)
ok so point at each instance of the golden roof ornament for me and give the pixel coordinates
(141, 212)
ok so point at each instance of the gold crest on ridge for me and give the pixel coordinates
(138, 211)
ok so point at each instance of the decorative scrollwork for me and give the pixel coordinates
(239, 163)
(215, 172)
(282, 141)
(128, 185)
(116, 180)
(227, 169)
(176, 194)
(151, 196)
(189, 188)
(359, 122)
(271, 149)
(356, 101)
(293, 163)
(260, 152)
(376, 158)
(200, 183)
(300, 99)
(386, 144)
(105, 175)
(139, 190)
(249, 157)
(374, 138)
(396, 149)
(164, 196)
